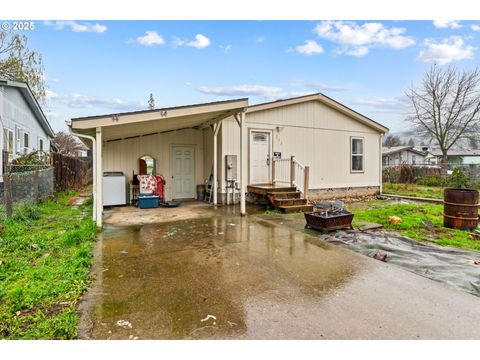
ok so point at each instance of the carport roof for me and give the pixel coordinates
(137, 123)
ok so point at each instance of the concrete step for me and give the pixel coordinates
(287, 195)
(295, 208)
(287, 202)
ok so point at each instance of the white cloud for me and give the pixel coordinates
(356, 40)
(447, 50)
(318, 86)
(357, 51)
(200, 42)
(475, 27)
(266, 92)
(151, 38)
(77, 27)
(444, 24)
(75, 100)
(397, 105)
(309, 48)
(259, 39)
(226, 48)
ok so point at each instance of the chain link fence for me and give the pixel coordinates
(30, 183)
(26, 187)
(425, 173)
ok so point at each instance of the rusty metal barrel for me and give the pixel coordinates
(460, 209)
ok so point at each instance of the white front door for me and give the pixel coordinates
(183, 172)
(260, 157)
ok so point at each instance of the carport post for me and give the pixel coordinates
(99, 177)
(243, 162)
(216, 128)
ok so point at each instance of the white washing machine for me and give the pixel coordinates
(114, 188)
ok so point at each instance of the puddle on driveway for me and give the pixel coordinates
(162, 281)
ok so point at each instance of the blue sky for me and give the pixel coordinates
(97, 67)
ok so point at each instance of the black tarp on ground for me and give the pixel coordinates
(455, 267)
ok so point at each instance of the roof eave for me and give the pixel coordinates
(32, 102)
(325, 100)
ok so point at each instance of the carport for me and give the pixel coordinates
(115, 137)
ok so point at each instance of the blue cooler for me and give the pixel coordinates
(147, 201)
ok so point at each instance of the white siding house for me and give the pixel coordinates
(24, 126)
(189, 144)
(319, 133)
(398, 155)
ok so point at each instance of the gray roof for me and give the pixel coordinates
(396, 149)
(32, 103)
(456, 152)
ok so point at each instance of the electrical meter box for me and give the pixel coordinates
(231, 167)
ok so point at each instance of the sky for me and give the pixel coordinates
(103, 67)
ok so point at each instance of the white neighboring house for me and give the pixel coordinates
(455, 156)
(24, 125)
(399, 155)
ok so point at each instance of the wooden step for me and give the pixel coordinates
(286, 209)
(269, 189)
(287, 195)
(286, 202)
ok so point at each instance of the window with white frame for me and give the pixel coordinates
(26, 140)
(40, 144)
(19, 140)
(356, 163)
(8, 140)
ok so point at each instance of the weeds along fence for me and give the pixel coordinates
(30, 183)
(429, 174)
(26, 187)
(71, 172)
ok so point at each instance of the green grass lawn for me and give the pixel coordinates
(420, 221)
(434, 192)
(45, 257)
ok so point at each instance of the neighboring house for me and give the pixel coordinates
(455, 156)
(24, 125)
(189, 144)
(398, 155)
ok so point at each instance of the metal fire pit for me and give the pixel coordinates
(325, 221)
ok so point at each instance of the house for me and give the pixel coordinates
(312, 143)
(24, 125)
(455, 156)
(398, 155)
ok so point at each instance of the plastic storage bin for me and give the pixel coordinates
(147, 201)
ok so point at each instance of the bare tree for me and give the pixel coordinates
(18, 62)
(67, 144)
(446, 106)
(392, 140)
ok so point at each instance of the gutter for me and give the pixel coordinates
(94, 154)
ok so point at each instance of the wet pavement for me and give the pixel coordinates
(232, 277)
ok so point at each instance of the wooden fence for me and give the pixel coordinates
(71, 172)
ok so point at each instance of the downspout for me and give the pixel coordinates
(381, 165)
(94, 153)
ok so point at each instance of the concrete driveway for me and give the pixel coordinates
(227, 277)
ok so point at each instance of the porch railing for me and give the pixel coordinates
(291, 171)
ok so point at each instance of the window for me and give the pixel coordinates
(258, 137)
(356, 164)
(8, 140)
(40, 145)
(25, 140)
(19, 140)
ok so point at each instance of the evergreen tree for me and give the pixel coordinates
(151, 102)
